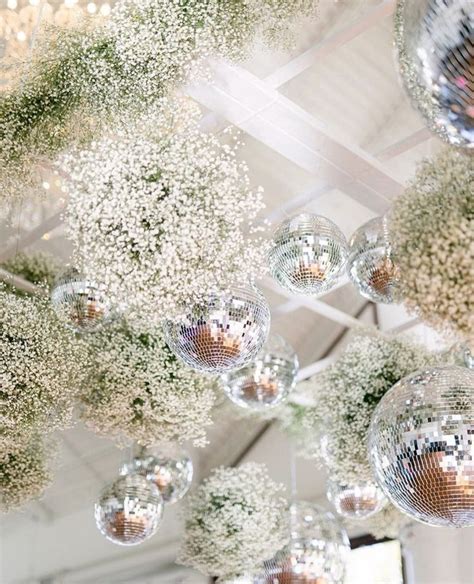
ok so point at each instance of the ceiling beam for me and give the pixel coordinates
(256, 108)
(322, 49)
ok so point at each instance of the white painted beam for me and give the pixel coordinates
(21, 283)
(299, 64)
(282, 125)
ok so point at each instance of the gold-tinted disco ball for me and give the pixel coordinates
(129, 510)
(169, 469)
(422, 446)
(308, 254)
(370, 265)
(224, 334)
(435, 42)
(268, 380)
(356, 500)
(82, 304)
(316, 554)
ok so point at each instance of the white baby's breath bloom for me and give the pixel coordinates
(25, 473)
(432, 229)
(42, 369)
(83, 81)
(140, 391)
(163, 221)
(235, 520)
(389, 522)
(341, 399)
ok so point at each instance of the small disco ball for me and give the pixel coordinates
(129, 510)
(356, 500)
(81, 303)
(268, 380)
(308, 254)
(169, 469)
(316, 554)
(225, 334)
(435, 41)
(370, 265)
(421, 446)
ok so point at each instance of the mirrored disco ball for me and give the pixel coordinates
(268, 380)
(422, 448)
(169, 469)
(129, 510)
(370, 264)
(81, 303)
(308, 254)
(225, 334)
(435, 41)
(357, 500)
(316, 554)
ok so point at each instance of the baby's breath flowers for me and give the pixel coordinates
(235, 520)
(83, 80)
(163, 223)
(42, 368)
(432, 229)
(38, 268)
(25, 473)
(389, 522)
(141, 392)
(345, 395)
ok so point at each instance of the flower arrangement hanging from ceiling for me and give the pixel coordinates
(141, 392)
(25, 473)
(432, 229)
(236, 519)
(37, 268)
(182, 236)
(347, 392)
(83, 79)
(43, 368)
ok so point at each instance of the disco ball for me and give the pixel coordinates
(317, 551)
(435, 41)
(170, 470)
(370, 265)
(356, 500)
(225, 334)
(421, 446)
(267, 381)
(129, 510)
(81, 303)
(308, 254)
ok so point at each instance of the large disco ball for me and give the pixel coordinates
(356, 500)
(224, 334)
(81, 303)
(169, 469)
(268, 380)
(422, 449)
(370, 264)
(317, 551)
(308, 254)
(129, 510)
(435, 42)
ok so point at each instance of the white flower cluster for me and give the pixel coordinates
(432, 229)
(83, 80)
(38, 268)
(140, 391)
(389, 522)
(346, 393)
(42, 369)
(25, 473)
(163, 223)
(235, 520)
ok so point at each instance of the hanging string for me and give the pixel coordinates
(293, 484)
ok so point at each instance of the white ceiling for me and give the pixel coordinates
(327, 129)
